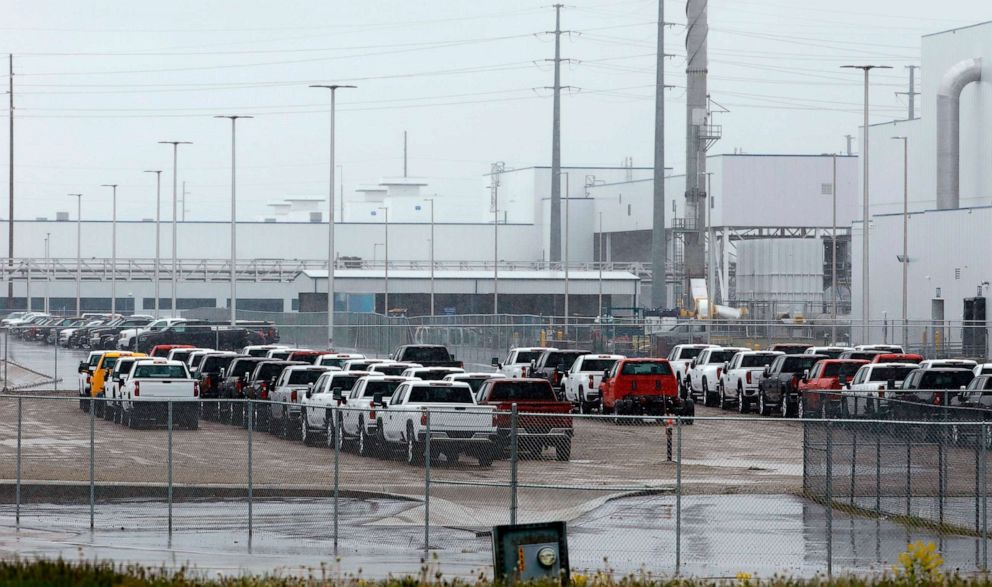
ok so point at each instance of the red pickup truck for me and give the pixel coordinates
(542, 420)
(826, 376)
(643, 387)
(162, 350)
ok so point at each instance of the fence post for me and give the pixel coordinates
(854, 458)
(249, 413)
(878, 473)
(983, 458)
(17, 510)
(170, 466)
(55, 377)
(941, 479)
(909, 476)
(514, 459)
(678, 497)
(92, 457)
(806, 453)
(427, 488)
(337, 479)
(830, 499)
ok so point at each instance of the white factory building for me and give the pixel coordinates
(949, 194)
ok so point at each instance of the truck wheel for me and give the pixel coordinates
(743, 406)
(723, 398)
(563, 450)
(305, 435)
(192, 422)
(763, 407)
(485, 457)
(415, 450)
(364, 446)
(284, 424)
(108, 412)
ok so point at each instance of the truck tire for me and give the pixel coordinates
(364, 446)
(563, 450)
(485, 457)
(763, 408)
(305, 435)
(743, 406)
(415, 450)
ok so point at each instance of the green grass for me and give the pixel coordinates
(99, 574)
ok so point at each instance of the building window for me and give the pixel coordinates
(628, 209)
(826, 189)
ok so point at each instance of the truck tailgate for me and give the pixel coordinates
(461, 417)
(536, 416)
(165, 389)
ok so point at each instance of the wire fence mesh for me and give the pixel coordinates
(383, 489)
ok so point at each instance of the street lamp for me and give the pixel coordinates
(234, 211)
(904, 258)
(48, 275)
(431, 200)
(865, 295)
(113, 249)
(175, 165)
(599, 311)
(385, 249)
(330, 218)
(158, 232)
(79, 241)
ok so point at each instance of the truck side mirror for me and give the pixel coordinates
(606, 374)
(842, 380)
(83, 366)
(495, 362)
(767, 372)
(891, 384)
(692, 364)
(309, 390)
(806, 376)
(377, 400)
(337, 395)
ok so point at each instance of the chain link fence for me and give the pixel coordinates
(380, 491)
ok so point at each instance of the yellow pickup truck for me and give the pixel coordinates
(102, 372)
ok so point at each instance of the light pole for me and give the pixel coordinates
(158, 232)
(330, 219)
(48, 275)
(113, 249)
(833, 257)
(175, 196)
(234, 213)
(904, 258)
(568, 199)
(79, 241)
(865, 294)
(496, 170)
(431, 200)
(385, 253)
(599, 311)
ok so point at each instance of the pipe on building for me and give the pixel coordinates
(949, 130)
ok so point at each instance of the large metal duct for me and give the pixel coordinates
(949, 130)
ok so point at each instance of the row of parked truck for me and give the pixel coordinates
(794, 380)
(135, 332)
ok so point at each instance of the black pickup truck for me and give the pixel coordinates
(200, 335)
(427, 355)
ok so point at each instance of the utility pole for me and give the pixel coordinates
(659, 240)
(234, 213)
(555, 253)
(331, 254)
(833, 257)
(10, 213)
(496, 169)
(850, 140)
(904, 258)
(185, 193)
(865, 218)
(79, 244)
(912, 93)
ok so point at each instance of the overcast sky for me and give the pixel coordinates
(98, 83)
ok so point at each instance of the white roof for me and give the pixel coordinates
(504, 274)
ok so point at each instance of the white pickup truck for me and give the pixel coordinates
(151, 386)
(739, 383)
(458, 424)
(706, 370)
(680, 357)
(319, 402)
(518, 362)
(581, 381)
(289, 389)
(356, 418)
(127, 337)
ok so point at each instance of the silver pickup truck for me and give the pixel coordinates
(149, 389)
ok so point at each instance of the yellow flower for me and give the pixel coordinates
(744, 577)
(920, 564)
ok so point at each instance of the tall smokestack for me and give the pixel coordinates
(697, 31)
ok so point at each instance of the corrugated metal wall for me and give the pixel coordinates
(786, 273)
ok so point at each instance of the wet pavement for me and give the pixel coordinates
(721, 536)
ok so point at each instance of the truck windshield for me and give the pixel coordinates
(182, 356)
(945, 379)
(525, 357)
(345, 382)
(304, 376)
(433, 374)
(474, 382)
(123, 366)
(597, 365)
(258, 352)
(195, 361)
(267, 371)
(887, 373)
(386, 388)
(330, 362)
(800, 364)
(757, 360)
(160, 372)
(721, 356)
(389, 369)
(688, 353)
(215, 364)
(521, 391)
(95, 360)
(109, 362)
(646, 368)
(421, 354)
(450, 395)
(565, 359)
(239, 367)
(838, 369)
